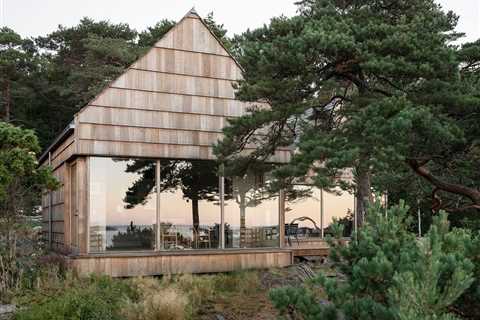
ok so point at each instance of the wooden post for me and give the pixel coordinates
(50, 204)
(83, 205)
(67, 243)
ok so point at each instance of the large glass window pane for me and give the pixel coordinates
(251, 214)
(189, 204)
(122, 204)
(339, 207)
(302, 212)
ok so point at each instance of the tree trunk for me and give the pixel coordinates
(243, 230)
(363, 195)
(196, 220)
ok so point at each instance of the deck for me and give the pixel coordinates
(308, 247)
(129, 264)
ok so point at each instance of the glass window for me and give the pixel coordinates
(122, 204)
(189, 205)
(302, 212)
(339, 207)
(251, 214)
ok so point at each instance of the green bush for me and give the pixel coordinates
(93, 298)
(386, 273)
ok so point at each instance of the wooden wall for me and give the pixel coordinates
(57, 201)
(198, 262)
(59, 198)
(172, 103)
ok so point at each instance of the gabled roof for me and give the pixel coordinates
(69, 129)
(164, 42)
(173, 102)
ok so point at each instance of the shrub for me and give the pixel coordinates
(387, 273)
(92, 298)
(21, 183)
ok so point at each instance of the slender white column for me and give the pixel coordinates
(221, 181)
(322, 213)
(281, 218)
(355, 212)
(158, 238)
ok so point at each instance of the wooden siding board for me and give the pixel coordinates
(175, 83)
(198, 64)
(89, 131)
(63, 156)
(66, 207)
(135, 149)
(129, 266)
(62, 147)
(83, 205)
(152, 119)
(57, 208)
(172, 102)
(115, 133)
(190, 34)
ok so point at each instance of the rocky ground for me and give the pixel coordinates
(258, 306)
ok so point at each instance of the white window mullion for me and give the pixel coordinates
(158, 238)
(221, 181)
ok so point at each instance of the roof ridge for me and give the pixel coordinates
(193, 12)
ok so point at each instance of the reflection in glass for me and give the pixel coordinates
(303, 208)
(339, 207)
(251, 214)
(302, 212)
(189, 205)
(122, 204)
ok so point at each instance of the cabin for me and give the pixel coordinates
(141, 192)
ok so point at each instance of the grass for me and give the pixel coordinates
(235, 295)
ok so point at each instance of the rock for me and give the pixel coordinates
(7, 311)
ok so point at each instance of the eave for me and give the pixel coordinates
(67, 132)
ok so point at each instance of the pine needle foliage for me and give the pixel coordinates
(385, 272)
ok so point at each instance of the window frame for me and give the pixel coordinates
(158, 245)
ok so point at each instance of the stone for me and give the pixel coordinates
(7, 311)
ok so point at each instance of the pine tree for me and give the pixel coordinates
(372, 85)
(386, 273)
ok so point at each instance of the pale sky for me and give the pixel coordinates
(39, 17)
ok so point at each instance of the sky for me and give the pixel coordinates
(39, 17)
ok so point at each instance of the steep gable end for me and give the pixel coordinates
(191, 34)
(171, 103)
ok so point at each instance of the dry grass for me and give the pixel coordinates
(236, 295)
(156, 302)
